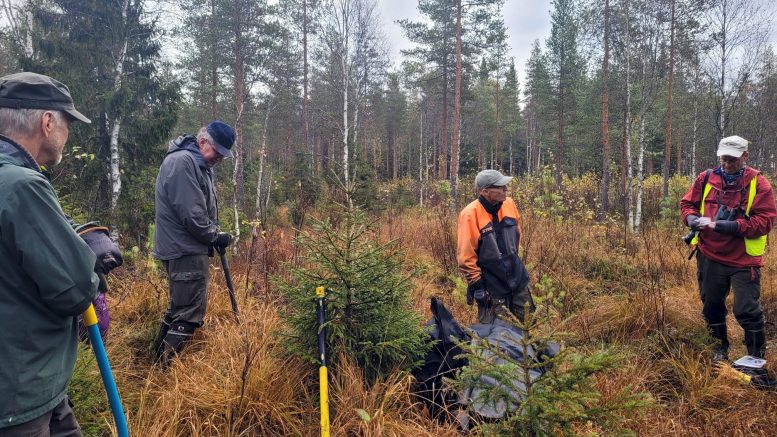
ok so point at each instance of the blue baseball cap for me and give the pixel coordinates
(223, 137)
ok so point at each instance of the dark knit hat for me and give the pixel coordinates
(36, 91)
(223, 137)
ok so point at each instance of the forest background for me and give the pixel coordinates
(620, 105)
(621, 90)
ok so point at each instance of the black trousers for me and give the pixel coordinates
(494, 307)
(715, 282)
(59, 422)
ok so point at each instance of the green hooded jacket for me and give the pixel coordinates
(46, 280)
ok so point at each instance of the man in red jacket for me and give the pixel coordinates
(733, 209)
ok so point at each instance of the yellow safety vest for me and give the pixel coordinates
(753, 246)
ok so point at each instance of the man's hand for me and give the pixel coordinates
(697, 223)
(107, 253)
(223, 239)
(475, 291)
(693, 222)
(725, 226)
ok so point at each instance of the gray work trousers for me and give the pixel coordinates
(188, 288)
(59, 422)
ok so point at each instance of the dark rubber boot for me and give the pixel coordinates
(156, 347)
(756, 343)
(175, 339)
(718, 331)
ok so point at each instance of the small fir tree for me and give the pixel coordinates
(563, 400)
(369, 315)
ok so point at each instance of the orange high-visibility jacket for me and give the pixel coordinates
(488, 250)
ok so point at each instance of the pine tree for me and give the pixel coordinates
(566, 69)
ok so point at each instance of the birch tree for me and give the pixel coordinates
(738, 34)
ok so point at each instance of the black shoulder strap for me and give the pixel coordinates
(706, 178)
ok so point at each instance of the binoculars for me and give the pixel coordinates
(687, 238)
(724, 213)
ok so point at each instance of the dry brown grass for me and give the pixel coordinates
(636, 294)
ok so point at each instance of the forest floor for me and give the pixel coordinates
(634, 293)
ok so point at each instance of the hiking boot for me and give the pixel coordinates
(719, 355)
(158, 345)
(756, 343)
(177, 336)
(719, 332)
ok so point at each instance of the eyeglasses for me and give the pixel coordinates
(729, 159)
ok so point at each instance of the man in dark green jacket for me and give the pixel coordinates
(47, 271)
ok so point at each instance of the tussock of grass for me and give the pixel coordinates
(387, 408)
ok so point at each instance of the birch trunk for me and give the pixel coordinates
(628, 185)
(259, 211)
(114, 175)
(640, 174)
(344, 63)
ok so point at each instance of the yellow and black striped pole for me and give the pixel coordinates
(322, 371)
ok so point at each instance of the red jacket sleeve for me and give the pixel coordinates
(690, 203)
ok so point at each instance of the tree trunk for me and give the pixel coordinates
(259, 211)
(606, 116)
(640, 174)
(344, 61)
(668, 146)
(722, 115)
(627, 168)
(695, 124)
(115, 164)
(456, 143)
(443, 155)
(560, 136)
(421, 164)
(305, 117)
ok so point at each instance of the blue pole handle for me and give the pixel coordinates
(90, 320)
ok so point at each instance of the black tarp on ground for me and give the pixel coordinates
(441, 362)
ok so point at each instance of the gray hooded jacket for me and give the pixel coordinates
(186, 218)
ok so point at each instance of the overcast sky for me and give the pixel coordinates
(526, 20)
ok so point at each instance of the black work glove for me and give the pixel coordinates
(102, 287)
(222, 240)
(726, 226)
(107, 253)
(475, 291)
(693, 222)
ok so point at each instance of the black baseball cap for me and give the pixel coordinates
(36, 91)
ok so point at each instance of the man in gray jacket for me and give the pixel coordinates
(186, 227)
